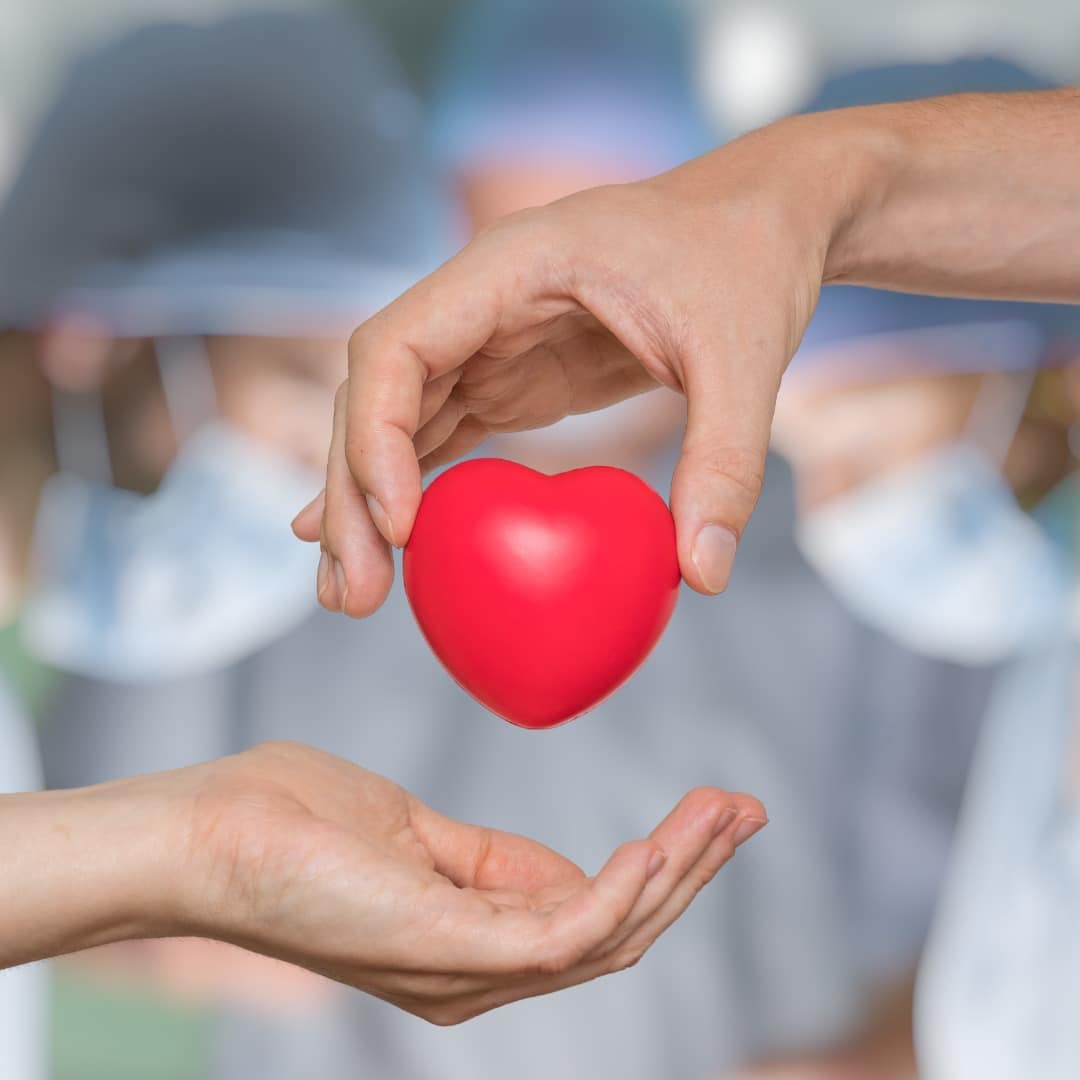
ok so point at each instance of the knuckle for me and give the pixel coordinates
(627, 956)
(485, 847)
(704, 874)
(279, 748)
(362, 341)
(702, 794)
(734, 467)
(558, 960)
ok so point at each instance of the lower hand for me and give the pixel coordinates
(301, 856)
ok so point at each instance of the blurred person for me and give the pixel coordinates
(753, 971)
(153, 252)
(910, 422)
(280, 849)
(929, 543)
(911, 445)
(907, 504)
(937, 557)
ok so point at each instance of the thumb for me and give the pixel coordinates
(720, 471)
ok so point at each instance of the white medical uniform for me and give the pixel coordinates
(999, 997)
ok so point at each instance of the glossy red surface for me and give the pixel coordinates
(541, 595)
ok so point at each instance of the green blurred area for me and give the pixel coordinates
(31, 682)
(110, 1033)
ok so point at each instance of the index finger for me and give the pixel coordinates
(431, 330)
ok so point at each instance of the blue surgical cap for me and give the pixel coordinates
(999, 335)
(606, 80)
(263, 174)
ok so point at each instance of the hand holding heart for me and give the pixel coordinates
(702, 280)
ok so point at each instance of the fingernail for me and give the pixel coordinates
(381, 518)
(342, 584)
(747, 828)
(723, 821)
(656, 864)
(323, 578)
(713, 555)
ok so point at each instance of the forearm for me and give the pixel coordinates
(972, 195)
(83, 868)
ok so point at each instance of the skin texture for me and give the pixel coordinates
(299, 855)
(702, 279)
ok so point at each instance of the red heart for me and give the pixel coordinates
(541, 595)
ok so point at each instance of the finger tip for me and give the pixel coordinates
(750, 806)
(362, 605)
(748, 827)
(707, 799)
(364, 592)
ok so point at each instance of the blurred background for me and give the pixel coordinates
(198, 200)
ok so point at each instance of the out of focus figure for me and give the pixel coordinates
(908, 468)
(184, 250)
(931, 441)
(907, 446)
(208, 269)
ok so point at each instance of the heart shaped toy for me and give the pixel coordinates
(541, 595)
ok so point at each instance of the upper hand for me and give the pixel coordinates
(702, 279)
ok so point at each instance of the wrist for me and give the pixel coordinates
(87, 867)
(852, 162)
(142, 825)
(807, 182)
